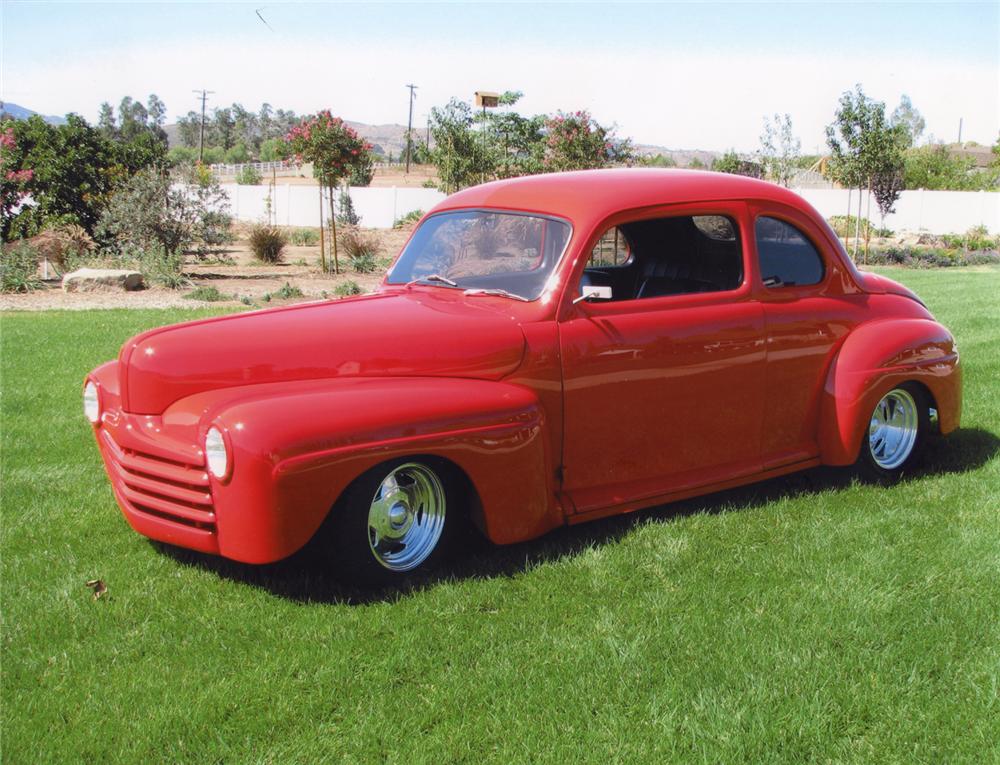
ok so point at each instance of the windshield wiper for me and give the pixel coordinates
(497, 291)
(432, 278)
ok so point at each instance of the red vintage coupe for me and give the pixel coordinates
(544, 351)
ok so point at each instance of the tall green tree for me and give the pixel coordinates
(459, 153)
(779, 149)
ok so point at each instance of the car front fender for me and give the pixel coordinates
(875, 358)
(296, 447)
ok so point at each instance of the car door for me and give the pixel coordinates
(663, 385)
(806, 315)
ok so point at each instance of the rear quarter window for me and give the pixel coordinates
(786, 256)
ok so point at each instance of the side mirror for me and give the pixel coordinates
(593, 292)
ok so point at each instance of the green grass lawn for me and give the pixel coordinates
(808, 619)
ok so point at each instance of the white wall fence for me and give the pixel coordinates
(939, 212)
(300, 205)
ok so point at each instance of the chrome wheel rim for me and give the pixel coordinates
(892, 431)
(406, 517)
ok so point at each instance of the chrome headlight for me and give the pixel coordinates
(216, 453)
(91, 402)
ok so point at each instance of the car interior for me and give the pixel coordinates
(667, 256)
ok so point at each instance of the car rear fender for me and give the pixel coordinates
(875, 358)
(297, 447)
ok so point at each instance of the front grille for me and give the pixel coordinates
(166, 489)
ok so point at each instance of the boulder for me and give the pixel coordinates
(90, 279)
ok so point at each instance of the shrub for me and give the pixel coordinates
(208, 294)
(19, 268)
(248, 176)
(149, 211)
(347, 216)
(348, 288)
(844, 226)
(62, 245)
(411, 217)
(304, 237)
(361, 249)
(159, 267)
(288, 291)
(267, 242)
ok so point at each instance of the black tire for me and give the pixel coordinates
(360, 555)
(895, 434)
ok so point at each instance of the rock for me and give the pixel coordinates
(90, 279)
(908, 239)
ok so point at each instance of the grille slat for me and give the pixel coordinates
(168, 490)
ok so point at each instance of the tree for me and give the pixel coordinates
(934, 167)
(458, 151)
(779, 149)
(188, 128)
(73, 168)
(225, 128)
(734, 164)
(106, 121)
(575, 141)
(13, 174)
(336, 152)
(865, 149)
(518, 145)
(909, 119)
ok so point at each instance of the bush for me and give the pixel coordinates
(361, 249)
(288, 291)
(347, 216)
(931, 257)
(348, 288)
(62, 245)
(208, 294)
(411, 217)
(304, 237)
(159, 267)
(19, 268)
(844, 226)
(248, 176)
(267, 242)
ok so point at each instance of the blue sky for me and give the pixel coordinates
(680, 75)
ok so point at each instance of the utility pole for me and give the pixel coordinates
(201, 136)
(960, 132)
(409, 129)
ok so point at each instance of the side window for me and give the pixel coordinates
(660, 257)
(611, 250)
(787, 258)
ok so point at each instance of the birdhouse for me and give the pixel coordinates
(487, 100)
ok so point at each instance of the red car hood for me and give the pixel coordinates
(396, 334)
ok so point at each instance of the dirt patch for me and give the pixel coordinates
(236, 274)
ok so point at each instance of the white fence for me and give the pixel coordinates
(938, 212)
(300, 205)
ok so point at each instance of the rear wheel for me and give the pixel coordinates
(395, 519)
(896, 432)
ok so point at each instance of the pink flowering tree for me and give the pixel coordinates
(575, 141)
(337, 154)
(12, 189)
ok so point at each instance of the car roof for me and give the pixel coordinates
(590, 195)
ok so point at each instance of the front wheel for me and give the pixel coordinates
(896, 431)
(395, 519)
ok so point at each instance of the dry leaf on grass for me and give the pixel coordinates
(98, 586)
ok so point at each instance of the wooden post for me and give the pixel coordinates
(322, 226)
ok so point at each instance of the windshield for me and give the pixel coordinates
(484, 250)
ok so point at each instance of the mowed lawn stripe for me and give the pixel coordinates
(808, 618)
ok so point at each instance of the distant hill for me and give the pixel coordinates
(683, 157)
(21, 113)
